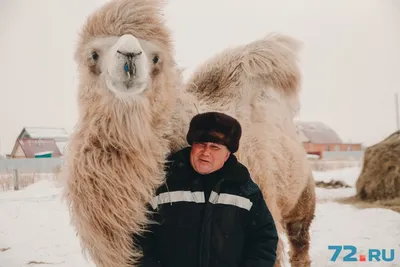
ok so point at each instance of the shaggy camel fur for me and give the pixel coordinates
(380, 175)
(134, 110)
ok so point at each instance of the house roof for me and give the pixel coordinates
(58, 134)
(317, 133)
(34, 146)
(61, 146)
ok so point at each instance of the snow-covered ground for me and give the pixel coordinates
(34, 227)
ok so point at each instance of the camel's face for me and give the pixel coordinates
(124, 64)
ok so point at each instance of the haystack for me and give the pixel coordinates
(380, 176)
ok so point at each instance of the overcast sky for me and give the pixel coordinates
(350, 59)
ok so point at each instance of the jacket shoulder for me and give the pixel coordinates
(180, 156)
(177, 168)
(250, 188)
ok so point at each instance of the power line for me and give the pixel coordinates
(396, 101)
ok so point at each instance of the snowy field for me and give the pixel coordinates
(35, 230)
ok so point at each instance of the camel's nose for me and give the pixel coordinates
(130, 65)
(130, 55)
(129, 46)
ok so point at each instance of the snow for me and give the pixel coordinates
(34, 226)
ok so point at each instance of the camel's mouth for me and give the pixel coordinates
(130, 85)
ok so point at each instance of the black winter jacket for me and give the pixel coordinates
(215, 220)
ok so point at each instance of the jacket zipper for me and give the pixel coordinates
(205, 234)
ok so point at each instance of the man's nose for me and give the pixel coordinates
(206, 150)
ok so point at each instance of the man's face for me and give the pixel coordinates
(208, 157)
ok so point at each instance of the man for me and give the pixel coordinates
(209, 213)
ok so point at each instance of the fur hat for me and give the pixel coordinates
(215, 127)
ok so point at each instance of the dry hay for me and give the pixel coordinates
(43, 262)
(39, 262)
(332, 184)
(380, 175)
(7, 180)
(391, 204)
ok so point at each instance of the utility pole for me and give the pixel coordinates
(396, 99)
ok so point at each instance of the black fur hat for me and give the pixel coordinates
(215, 127)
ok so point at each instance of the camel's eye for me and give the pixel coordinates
(95, 56)
(155, 59)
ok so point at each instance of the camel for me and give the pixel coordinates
(135, 109)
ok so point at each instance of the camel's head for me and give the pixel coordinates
(125, 49)
(125, 64)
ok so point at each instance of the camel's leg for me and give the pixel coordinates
(298, 228)
(299, 239)
(279, 254)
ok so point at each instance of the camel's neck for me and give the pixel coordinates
(123, 126)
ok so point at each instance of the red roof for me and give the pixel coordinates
(33, 146)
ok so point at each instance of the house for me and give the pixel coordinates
(318, 138)
(38, 142)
